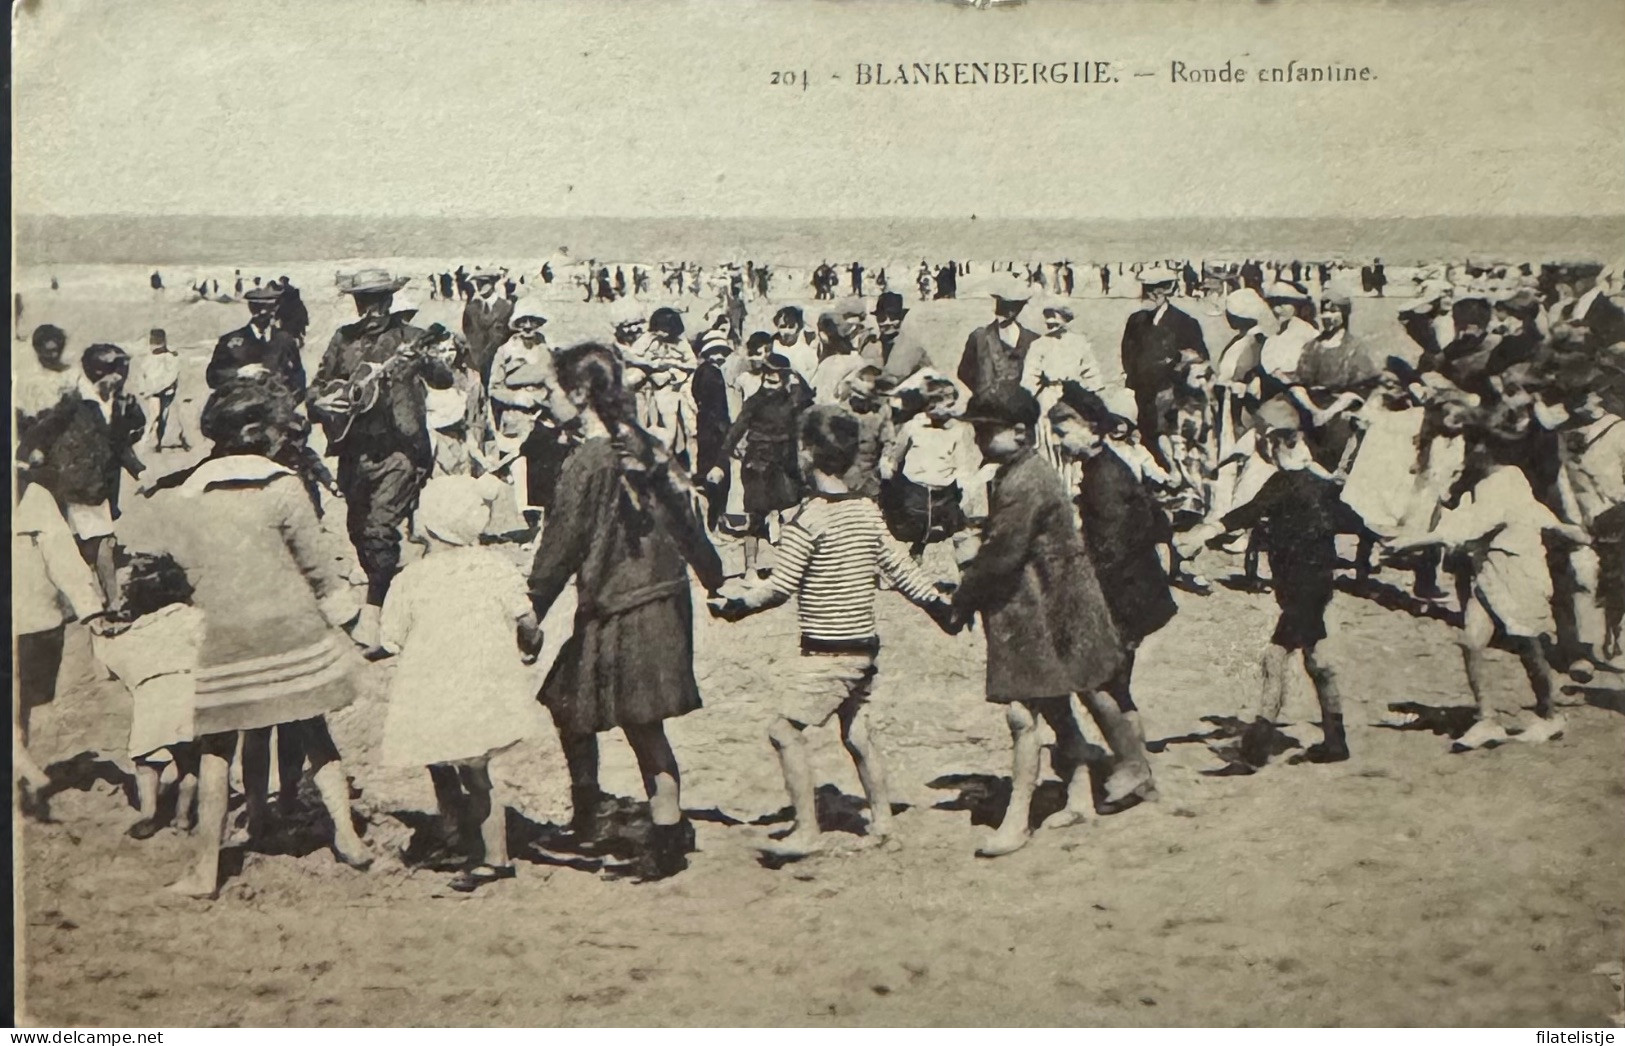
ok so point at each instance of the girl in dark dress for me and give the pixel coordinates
(768, 467)
(623, 525)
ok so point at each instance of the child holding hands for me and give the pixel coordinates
(462, 622)
(1049, 631)
(828, 556)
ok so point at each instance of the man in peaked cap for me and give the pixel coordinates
(1153, 339)
(385, 456)
(260, 347)
(486, 322)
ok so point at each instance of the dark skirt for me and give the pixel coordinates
(625, 669)
(770, 479)
(545, 450)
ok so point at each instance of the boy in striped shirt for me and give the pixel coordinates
(828, 557)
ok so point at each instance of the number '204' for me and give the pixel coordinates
(789, 78)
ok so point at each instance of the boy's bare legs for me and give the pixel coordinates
(213, 773)
(186, 766)
(1274, 666)
(860, 745)
(1068, 760)
(1132, 771)
(805, 837)
(1255, 739)
(1012, 833)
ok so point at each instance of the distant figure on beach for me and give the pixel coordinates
(157, 281)
(1105, 279)
(620, 282)
(54, 285)
(239, 287)
(856, 272)
(291, 314)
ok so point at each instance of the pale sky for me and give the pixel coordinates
(663, 108)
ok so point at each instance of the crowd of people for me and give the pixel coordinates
(1022, 487)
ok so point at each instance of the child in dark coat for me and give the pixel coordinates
(768, 470)
(1049, 632)
(1122, 532)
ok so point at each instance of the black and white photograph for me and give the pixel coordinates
(807, 514)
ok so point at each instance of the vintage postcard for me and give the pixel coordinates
(813, 513)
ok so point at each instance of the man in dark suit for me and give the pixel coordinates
(260, 347)
(1591, 322)
(486, 322)
(1153, 338)
(994, 354)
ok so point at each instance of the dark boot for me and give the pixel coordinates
(667, 852)
(584, 834)
(1334, 746)
(1255, 742)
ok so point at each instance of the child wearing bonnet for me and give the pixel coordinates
(461, 621)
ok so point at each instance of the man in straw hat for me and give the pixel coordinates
(386, 454)
(260, 347)
(486, 322)
(995, 354)
(1153, 339)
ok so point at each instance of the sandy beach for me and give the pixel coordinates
(1405, 887)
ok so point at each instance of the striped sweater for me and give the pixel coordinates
(829, 556)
